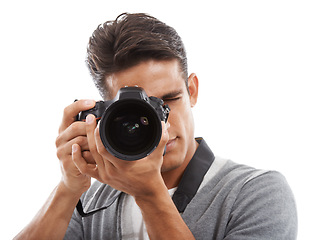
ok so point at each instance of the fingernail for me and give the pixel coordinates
(89, 119)
(74, 148)
(89, 102)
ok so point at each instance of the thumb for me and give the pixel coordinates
(164, 138)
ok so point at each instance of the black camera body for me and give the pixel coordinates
(130, 124)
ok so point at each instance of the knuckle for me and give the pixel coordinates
(58, 141)
(77, 126)
(59, 153)
(81, 141)
(88, 157)
(74, 127)
(66, 111)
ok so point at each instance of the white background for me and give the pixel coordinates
(260, 69)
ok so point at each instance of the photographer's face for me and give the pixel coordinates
(163, 79)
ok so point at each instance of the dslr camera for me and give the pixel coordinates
(130, 124)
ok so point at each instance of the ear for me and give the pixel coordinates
(193, 85)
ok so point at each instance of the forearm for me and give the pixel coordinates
(162, 218)
(52, 220)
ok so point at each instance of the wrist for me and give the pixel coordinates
(159, 197)
(64, 190)
(152, 189)
(161, 216)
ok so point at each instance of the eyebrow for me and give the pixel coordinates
(172, 94)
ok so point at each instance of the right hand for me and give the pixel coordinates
(72, 138)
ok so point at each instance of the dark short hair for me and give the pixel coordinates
(128, 40)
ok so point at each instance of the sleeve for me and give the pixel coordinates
(264, 209)
(75, 229)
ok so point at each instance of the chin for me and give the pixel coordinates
(171, 161)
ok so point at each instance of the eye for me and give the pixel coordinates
(172, 99)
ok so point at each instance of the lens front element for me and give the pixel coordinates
(130, 129)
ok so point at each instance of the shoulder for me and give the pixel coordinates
(261, 201)
(266, 205)
(227, 172)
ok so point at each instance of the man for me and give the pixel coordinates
(186, 193)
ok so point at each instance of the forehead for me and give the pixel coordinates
(157, 78)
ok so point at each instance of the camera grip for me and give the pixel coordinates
(97, 111)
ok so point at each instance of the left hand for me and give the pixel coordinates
(138, 178)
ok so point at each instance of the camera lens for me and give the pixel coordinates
(145, 121)
(130, 129)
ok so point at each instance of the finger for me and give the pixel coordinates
(90, 129)
(107, 157)
(164, 139)
(85, 168)
(66, 148)
(87, 155)
(72, 131)
(72, 110)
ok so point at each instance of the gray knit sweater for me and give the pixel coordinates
(233, 202)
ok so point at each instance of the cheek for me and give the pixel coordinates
(181, 121)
